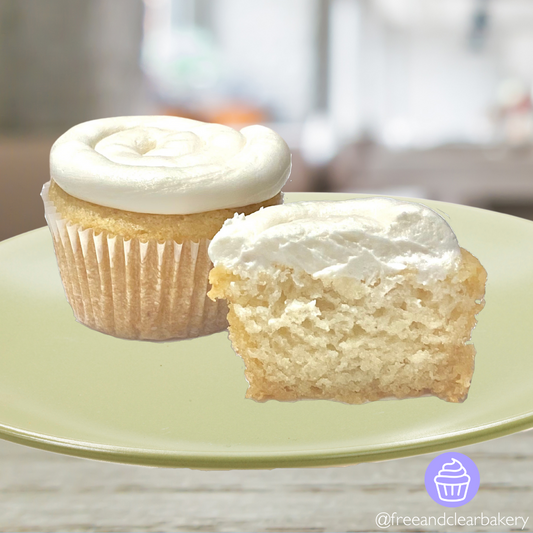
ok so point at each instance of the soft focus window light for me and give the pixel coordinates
(179, 57)
(231, 61)
(318, 141)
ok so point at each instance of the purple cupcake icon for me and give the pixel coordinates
(452, 481)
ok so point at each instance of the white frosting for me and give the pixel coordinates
(367, 239)
(169, 165)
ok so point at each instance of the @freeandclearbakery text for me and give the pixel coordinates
(385, 520)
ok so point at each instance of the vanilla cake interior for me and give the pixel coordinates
(303, 338)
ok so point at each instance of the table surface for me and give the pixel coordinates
(43, 491)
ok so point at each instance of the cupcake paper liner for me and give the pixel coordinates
(452, 492)
(133, 289)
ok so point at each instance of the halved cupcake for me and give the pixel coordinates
(133, 204)
(352, 301)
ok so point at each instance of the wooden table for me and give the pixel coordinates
(42, 491)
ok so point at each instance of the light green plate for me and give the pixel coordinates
(66, 388)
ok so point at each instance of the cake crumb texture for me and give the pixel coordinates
(341, 339)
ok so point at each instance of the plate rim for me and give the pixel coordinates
(343, 456)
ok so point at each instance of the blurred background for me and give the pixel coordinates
(420, 98)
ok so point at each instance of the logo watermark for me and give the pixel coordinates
(452, 479)
(386, 520)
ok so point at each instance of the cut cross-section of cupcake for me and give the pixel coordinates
(352, 301)
(133, 204)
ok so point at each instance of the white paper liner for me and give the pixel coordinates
(133, 289)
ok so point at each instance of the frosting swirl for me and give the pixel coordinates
(452, 473)
(367, 239)
(169, 165)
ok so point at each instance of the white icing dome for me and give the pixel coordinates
(169, 165)
(367, 239)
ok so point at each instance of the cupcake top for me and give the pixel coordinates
(367, 239)
(169, 165)
(452, 473)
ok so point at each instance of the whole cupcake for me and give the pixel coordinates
(132, 205)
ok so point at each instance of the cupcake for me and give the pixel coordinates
(352, 301)
(452, 482)
(132, 205)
